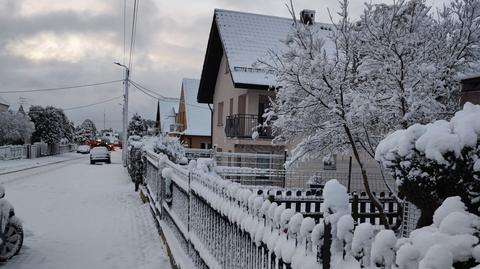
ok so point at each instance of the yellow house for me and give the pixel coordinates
(193, 120)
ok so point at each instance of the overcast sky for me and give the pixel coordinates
(54, 43)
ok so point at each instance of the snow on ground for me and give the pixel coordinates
(9, 166)
(78, 215)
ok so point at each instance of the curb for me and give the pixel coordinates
(38, 166)
(146, 198)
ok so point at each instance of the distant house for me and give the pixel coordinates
(193, 122)
(3, 105)
(471, 90)
(230, 80)
(168, 112)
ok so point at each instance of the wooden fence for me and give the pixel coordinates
(196, 212)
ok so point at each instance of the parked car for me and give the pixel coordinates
(84, 149)
(99, 154)
(11, 230)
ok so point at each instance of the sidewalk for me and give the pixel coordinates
(77, 216)
(11, 166)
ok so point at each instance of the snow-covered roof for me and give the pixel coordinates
(3, 101)
(168, 108)
(198, 115)
(246, 38)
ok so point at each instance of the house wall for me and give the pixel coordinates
(4, 107)
(470, 91)
(181, 117)
(195, 142)
(472, 97)
(224, 91)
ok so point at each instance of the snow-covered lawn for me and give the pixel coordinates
(78, 215)
(8, 166)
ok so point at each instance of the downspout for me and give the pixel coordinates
(211, 126)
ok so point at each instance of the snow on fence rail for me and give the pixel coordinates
(221, 224)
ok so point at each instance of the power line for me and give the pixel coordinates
(144, 91)
(134, 31)
(64, 88)
(124, 29)
(154, 93)
(97, 103)
(159, 96)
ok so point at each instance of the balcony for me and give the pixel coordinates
(243, 126)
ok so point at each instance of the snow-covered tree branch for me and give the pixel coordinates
(344, 90)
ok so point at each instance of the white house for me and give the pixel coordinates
(232, 82)
(168, 112)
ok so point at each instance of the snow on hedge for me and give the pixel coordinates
(435, 161)
(170, 146)
(434, 139)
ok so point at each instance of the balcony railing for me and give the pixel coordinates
(243, 126)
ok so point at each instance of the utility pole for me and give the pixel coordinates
(104, 119)
(125, 115)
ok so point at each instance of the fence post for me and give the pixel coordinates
(349, 174)
(188, 210)
(285, 169)
(327, 245)
(355, 207)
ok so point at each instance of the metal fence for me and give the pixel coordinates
(268, 169)
(12, 152)
(244, 126)
(191, 207)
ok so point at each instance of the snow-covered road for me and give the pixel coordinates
(78, 215)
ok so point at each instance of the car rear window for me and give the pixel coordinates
(99, 150)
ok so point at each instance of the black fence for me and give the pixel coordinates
(244, 125)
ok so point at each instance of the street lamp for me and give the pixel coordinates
(125, 115)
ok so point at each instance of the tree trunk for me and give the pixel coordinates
(426, 216)
(366, 184)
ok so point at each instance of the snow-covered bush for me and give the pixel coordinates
(383, 249)
(437, 257)
(434, 161)
(51, 124)
(15, 128)
(137, 125)
(345, 228)
(454, 234)
(170, 146)
(407, 256)
(362, 243)
(85, 132)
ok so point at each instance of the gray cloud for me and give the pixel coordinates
(53, 43)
